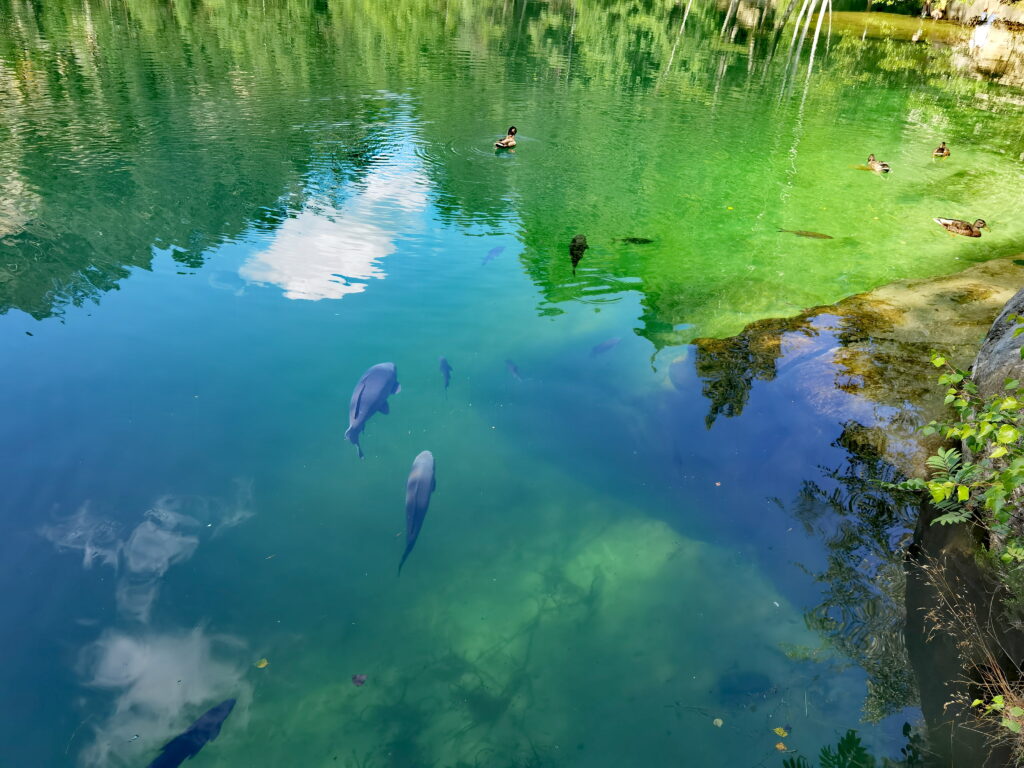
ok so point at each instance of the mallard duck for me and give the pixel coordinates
(961, 227)
(509, 141)
(941, 151)
(876, 166)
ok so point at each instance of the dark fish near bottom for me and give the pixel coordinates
(604, 346)
(446, 371)
(636, 240)
(805, 233)
(187, 745)
(420, 485)
(576, 250)
(514, 370)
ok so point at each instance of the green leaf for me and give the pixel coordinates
(1012, 725)
(1007, 434)
(963, 493)
(1012, 384)
(997, 452)
(938, 361)
(977, 703)
(1016, 712)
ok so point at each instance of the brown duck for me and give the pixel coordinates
(877, 166)
(961, 227)
(941, 151)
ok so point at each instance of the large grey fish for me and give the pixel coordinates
(369, 397)
(420, 485)
(576, 250)
(806, 233)
(187, 745)
(446, 371)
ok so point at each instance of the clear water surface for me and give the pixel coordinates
(215, 215)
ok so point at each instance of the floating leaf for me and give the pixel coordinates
(717, 722)
(780, 732)
(781, 747)
(262, 664)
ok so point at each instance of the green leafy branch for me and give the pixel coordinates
(1011, 716)
(991, 429)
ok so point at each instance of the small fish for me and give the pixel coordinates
(514, 370)
(369, 397)
(29, 333)
(635, 240)
(418, 488)
(576, 250)
(805, 233)
(446, 371)
(358, 680)
(604, 346)
(492, 254)
(202, 731)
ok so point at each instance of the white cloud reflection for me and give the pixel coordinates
(162, 683)
(326, 254)
(168, 534)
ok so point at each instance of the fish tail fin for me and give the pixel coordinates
(405, 556)
(353, 437)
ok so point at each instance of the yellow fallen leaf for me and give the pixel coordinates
(780, 732)
(717, 722)
(262, 664)
(781, 747)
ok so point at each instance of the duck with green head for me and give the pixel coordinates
(941, 151)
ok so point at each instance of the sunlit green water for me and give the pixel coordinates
(286, 194)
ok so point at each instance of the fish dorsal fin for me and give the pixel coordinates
(384, 408)
(359, 400)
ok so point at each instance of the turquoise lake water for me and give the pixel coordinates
(216, 216)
